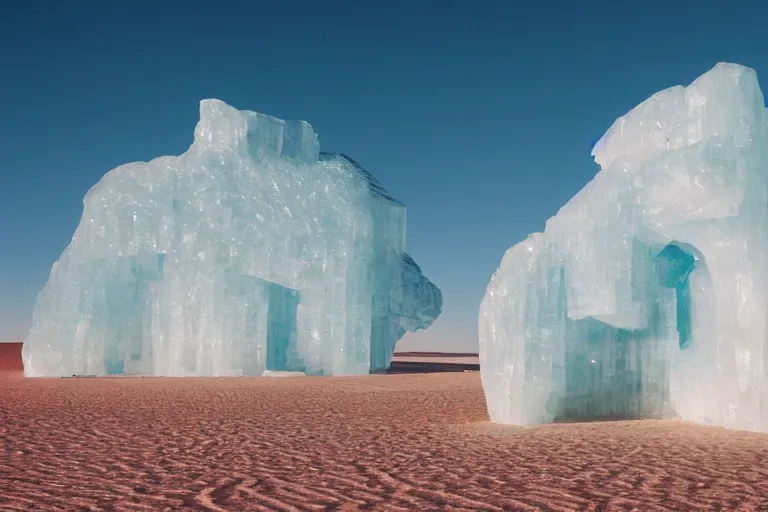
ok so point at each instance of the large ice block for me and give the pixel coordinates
(646, 295)
(252, 252)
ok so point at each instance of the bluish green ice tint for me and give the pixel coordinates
(282, 352)
(684, 327)
(252, 251)
(673, 266)
(647, 294)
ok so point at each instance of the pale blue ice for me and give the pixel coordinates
(647, 294)
(251, 252)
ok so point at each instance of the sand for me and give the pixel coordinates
(10, 358)
(381, 442)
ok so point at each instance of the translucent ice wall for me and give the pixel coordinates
(252, 251)
(646, 295)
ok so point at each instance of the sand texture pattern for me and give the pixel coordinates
(381, 442)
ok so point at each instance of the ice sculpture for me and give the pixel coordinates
(252, 252)
(646, 295)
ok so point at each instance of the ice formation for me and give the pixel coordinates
(646, 295)
(252, 252)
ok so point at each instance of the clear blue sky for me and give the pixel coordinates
(478, 115)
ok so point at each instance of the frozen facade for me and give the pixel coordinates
(252, 251)
(646, 295)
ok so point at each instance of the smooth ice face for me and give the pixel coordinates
(646, 295)
(252, 252)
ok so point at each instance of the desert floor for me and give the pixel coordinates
(381, 442)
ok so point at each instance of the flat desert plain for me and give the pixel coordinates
(382, 442)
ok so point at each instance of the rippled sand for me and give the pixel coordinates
(381, 442)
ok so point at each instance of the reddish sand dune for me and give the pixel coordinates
(10, 357)
(381, 442)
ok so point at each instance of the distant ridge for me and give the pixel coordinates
(10, 360)
(437, 354)
(397, 354)
(431, 362)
